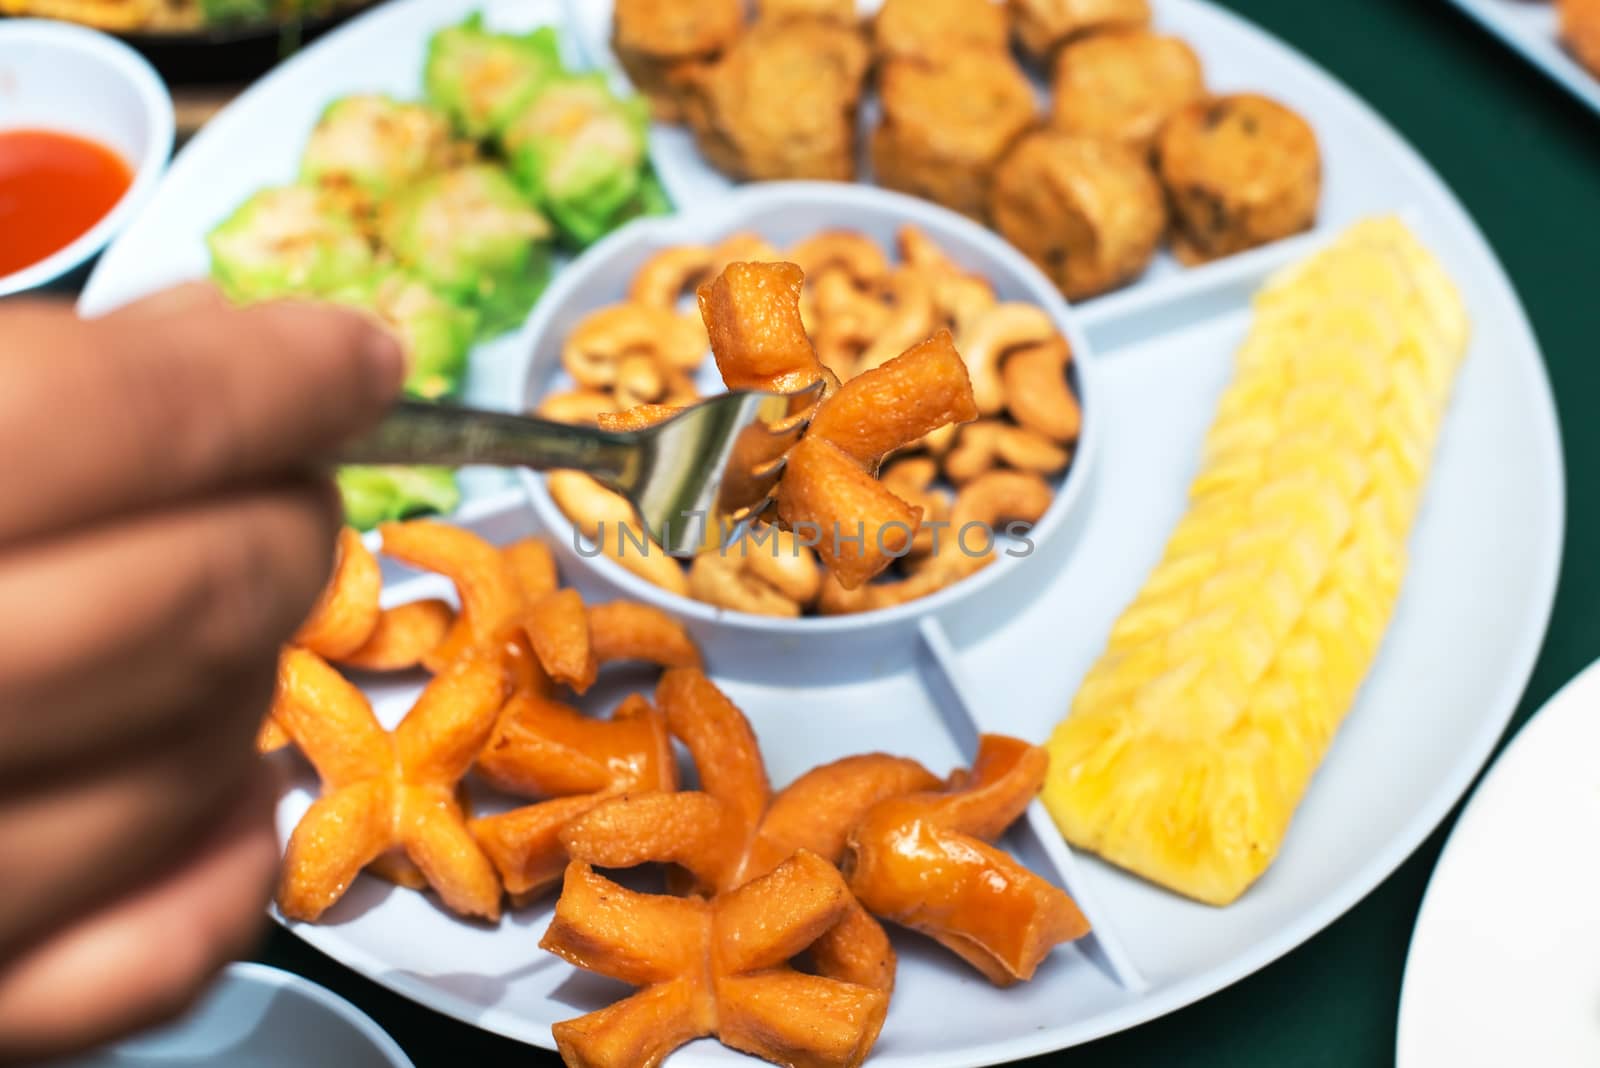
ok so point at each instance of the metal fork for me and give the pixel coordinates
(693, 479)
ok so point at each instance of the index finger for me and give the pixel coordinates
(174, 396)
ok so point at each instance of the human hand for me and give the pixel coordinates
(166, 529)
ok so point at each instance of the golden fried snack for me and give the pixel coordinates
(272, 737)
(1042, 26)
(782, 103)
(713, 968)
(925, 30)
(859, 526)
(1580, 31)
(382, 790)
(752, 315)
(1123, 86)
(1089, 213)
(657, 39)
(347, 610)
(541, 748)
(882, 409)
(405, 636)
(946, 126)
(1037, 392)
(924, 861)
(628, 630)
(533, 566)
(840, 11)
(558, 629)
(1240, 171)
(733, 829)
(484, 580)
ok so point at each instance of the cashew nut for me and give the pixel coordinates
(856, 254)
(587, 503)
(976, 446)
(599, 343)
(998, 497)
(778, 558)
(723, 581)
(960, 299)
(582, 406)
(745, 246)
(989, 337)
(835, 600)
(665, 277)
(919, 250)
(847, 312)
(1037, 392)
(1028, 450)
(639, 381)
(910, 320)
(911, 480)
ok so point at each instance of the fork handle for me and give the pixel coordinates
(418, 433)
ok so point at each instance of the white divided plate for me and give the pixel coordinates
(1486, 553)
(1504, 966)
(1531, 27)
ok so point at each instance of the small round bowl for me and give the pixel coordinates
(264, 1017)
(860, 645)
(57, 76)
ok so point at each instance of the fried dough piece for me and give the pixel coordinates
(925, 30)
(946, 126)
(782, 103)
(484, 579)
(752, 316)
(924, 860)
(540, 747)
(840, 11)
(713, 968)
(1089, 213)
(657, 40)
(1123, 86)
(1240, 171)
(1042, 26)
(380, 789)
(733, 829)
(347, 610)
(405, 636)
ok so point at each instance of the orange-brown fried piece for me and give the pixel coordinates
(657, 39)
(752, 316)
(271, 737)
(924, 30)
(405, 636)
(484, 580)
(533, 566)
(716, 968)
(347, 611)
(857, 525)
(382, 790)
(628, 630)
(946, 125)
(924, 860)
(781, 104)
(558, 629)
(876, 412)
(1042, 26)
(541, 748)
(734, 830)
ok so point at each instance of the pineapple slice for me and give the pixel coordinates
(1195, 735)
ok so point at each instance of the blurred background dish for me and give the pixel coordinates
(86, 128)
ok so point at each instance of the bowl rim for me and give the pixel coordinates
(741, 210)
(93, 46)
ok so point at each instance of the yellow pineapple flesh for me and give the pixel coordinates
(1195, 735)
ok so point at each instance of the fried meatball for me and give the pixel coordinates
(927, 29)
(1580, 29)
(840, 11)
(782, 103)
(1239, 171)
(1042, 26)
(945, 126)
(657, 41)
(1123, 85)
(1088, 212)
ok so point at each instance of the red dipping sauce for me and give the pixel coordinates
(53, 188)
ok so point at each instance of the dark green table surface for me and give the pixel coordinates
(1525, 159)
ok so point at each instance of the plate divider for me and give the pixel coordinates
(939, 667)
